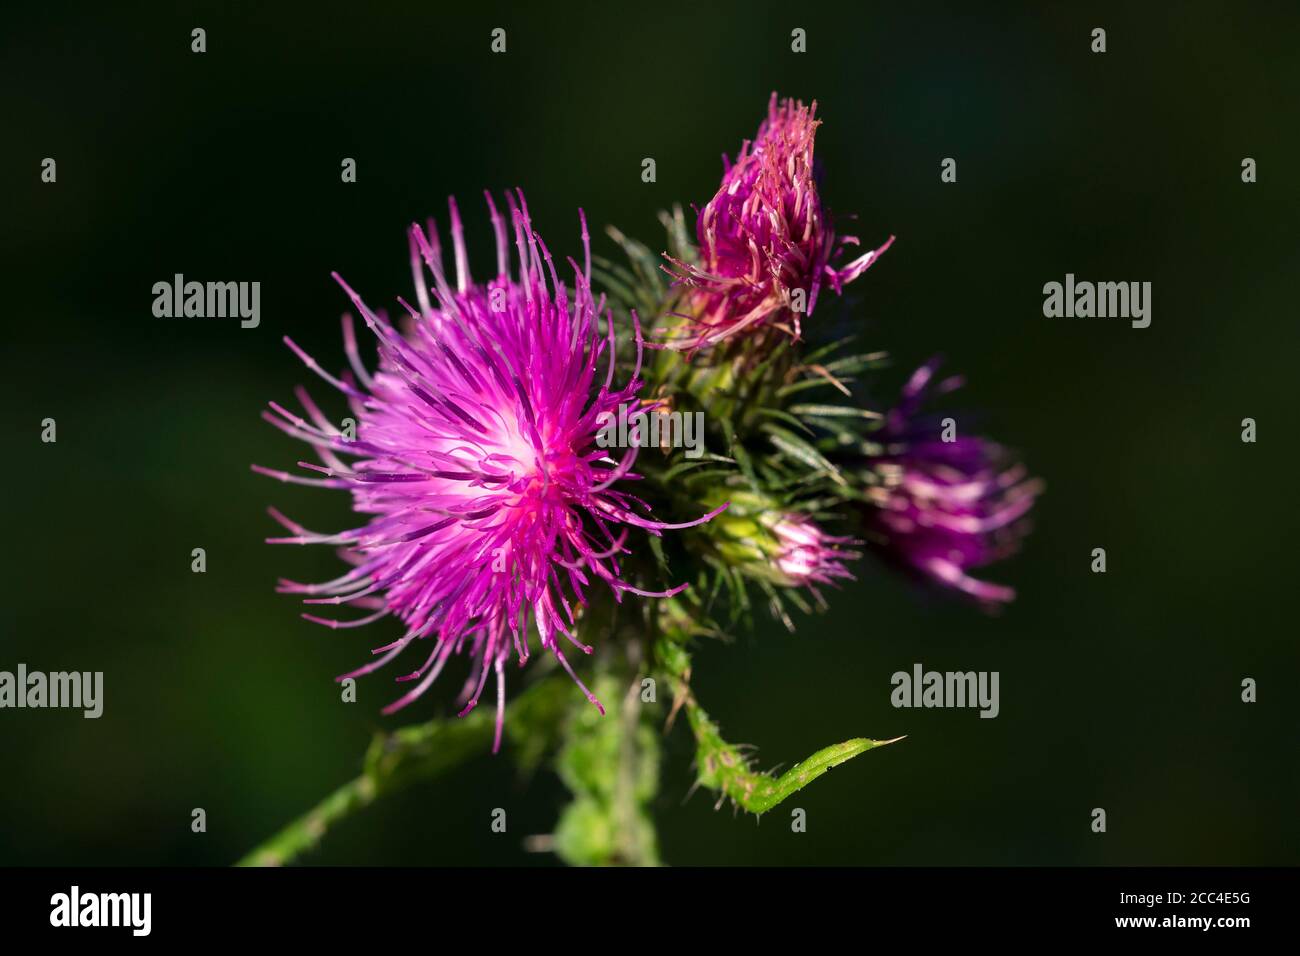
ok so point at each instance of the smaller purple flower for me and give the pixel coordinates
(807, 555)
(941, 508)
(765, 240)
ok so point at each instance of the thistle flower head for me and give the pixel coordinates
(765, 241)
(941, 508)
(775, 543)
(808, 555)
(474, 459)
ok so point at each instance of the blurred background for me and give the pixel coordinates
(1119, 690)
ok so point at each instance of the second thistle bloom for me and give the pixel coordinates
(808, 555)
(768, 541)
(765, 241)
(488, 505)
(942, 508)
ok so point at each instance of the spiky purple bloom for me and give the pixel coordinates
(765, 241)
(475, 458)
(807, 555)
(943, 508)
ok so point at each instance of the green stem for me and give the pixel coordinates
(635, 827)
(610, 765)
(402, 757)
(722, 766)
(305, 832)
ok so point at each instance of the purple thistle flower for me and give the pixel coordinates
(807, 555)
(763, 236)
(475, 458)
(942, 508)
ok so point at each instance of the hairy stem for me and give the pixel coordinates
(395, 760)
(723, 767)
(305, 832)
(611, 766)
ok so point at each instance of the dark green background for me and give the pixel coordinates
(1119, 691)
